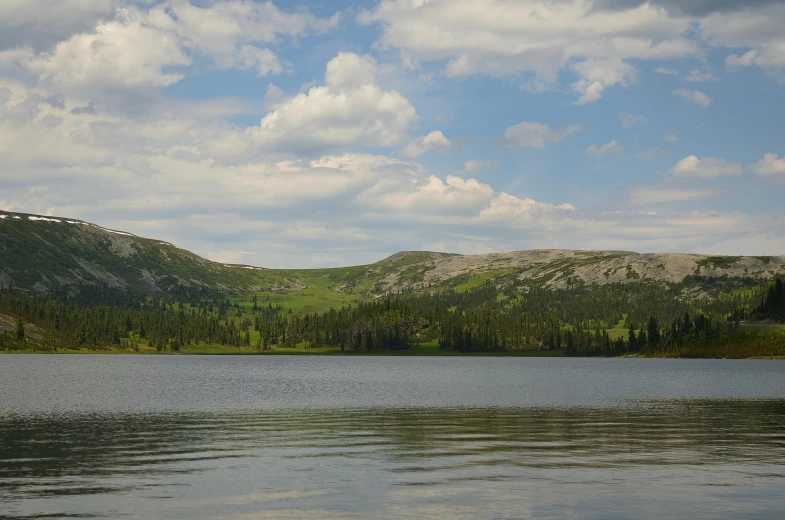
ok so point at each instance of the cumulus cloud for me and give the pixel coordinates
(770, 164)
(450, 197)
(298, 187)
(598, 41)
(693, 167)
(745, 60)
(698, 76)
(473, 165)
(231, 32)
(653, 154)
(40, 24)
(759, 30)
(109, 45)
(350, 109)
(425, 144)
(507, 208)
(597, 75)
(648, 195)
(666, 72)
(127, 54)
(694, 8)
(537, 135)
(129, 174)
(348, 70)
(693, 96)
(630, 120)
(606, 149)
(671, 138)
(500, 38)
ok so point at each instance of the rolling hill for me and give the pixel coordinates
(38, 253)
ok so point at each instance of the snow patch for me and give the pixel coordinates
(45, 219)
(112, 231)
(235, 266)
(3, 216)
(74, 222)
(17, 217)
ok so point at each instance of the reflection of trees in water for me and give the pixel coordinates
(78, 453)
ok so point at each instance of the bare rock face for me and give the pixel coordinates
(558, 269)
(6, 280)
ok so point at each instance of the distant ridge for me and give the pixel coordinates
(39, 252)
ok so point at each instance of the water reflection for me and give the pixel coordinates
(644, 460)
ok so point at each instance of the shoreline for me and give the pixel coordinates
(417, 353)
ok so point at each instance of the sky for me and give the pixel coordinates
(327, 133)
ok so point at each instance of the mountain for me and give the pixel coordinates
(39, 252)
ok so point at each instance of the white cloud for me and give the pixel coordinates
(759, 30)
(770, 164)
(672, 138)
(693, 96)
(692, 167)
(349, 110)
(348, 70)
(606, 149)
(230, 32)
(516, 212)
(630, 120)
(127, 54)
(39, 24)
(273, 97)
(499, 38)
(156, 177)
(446, 199)
(537, 134)
(666, 72)
(745, 60)
(474, 165)
(286, 192)
(599, 74)
(647, 195)
(698, 76)
(106, 48)
(653, 154)
(425, 144)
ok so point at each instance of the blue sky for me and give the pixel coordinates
(306, 134)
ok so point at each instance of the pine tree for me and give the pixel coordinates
(20, 329)
(653, 331)
(632, 340)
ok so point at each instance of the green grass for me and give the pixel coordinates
(619, 331)
(306, 300)
(467, 282)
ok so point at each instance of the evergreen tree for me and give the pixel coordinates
(653, 331)
(632, 340)
(20, 330)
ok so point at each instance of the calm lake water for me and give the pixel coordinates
(164, 437)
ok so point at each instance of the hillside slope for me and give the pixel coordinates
(38, 253)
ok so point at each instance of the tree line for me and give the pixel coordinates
(656, 318)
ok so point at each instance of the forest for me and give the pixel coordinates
(644, 319)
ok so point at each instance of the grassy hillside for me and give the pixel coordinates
(38, 253)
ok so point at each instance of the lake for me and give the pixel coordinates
(236, 437)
